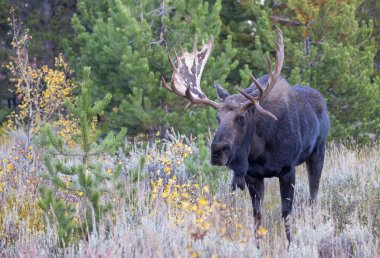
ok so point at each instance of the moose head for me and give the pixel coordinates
(235, 113)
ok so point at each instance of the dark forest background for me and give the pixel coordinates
(332, 46)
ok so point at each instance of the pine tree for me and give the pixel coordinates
(77, 170)
(250, 26)
(334, 53)
(127, 43)
(320, 51)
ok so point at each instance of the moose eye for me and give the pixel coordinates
(239, 120)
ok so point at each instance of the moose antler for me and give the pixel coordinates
(272, 78)
(186, 79)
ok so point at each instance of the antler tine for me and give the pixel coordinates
(176, 55)
(272, 78)
(172, 64)
(269, 62)
(251, 98)
(206, 101)
(165, 84)
(258, 86)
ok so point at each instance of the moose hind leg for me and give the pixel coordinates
(256, 190)
(314, 165)
(287, 181)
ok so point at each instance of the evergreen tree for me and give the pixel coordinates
(320, 51)
(77, 169)
(249, 24)
(127, 43)
(334, 53)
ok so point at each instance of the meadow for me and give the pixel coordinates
(170, 202)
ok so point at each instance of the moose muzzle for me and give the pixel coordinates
(220, 154)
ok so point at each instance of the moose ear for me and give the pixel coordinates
(221, 93)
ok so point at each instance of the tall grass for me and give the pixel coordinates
(344, 223)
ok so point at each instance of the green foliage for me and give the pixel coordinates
(200, 167)
(338, 62)
(132, 57)
(78, 170)
(127, 42)
(3, 114)
(319, 51)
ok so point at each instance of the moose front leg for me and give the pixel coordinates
(256, 190)
(287, 181)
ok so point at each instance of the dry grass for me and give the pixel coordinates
(344, 223)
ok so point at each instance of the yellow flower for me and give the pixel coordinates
(3, 187)
(261, 232)
(205, 188)
(206, 225)
(80, 194)
(185, 204)
(4, 160)
(109, 171)
(9, 167)
(30, 156)
(185, 195)
(68, 184)
(202, 201)
(158, 133)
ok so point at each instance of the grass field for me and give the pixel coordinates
(167, 209)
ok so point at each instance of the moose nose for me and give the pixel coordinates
(220, 153)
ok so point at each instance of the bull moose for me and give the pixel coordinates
(264, 131)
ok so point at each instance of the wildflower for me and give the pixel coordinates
(261, 232)
(3, 187)
(205, 189)
(185, 195)
(185, 204)
(9, 167)
(194, 254)
(202, 201)
(167, 169)
(206, 225)
(109, 171)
